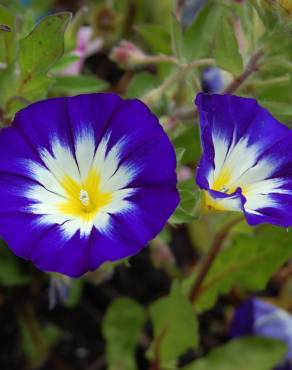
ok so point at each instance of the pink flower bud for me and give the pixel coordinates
(127, 55)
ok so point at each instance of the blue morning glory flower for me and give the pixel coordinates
(246, 164)
(257, 317)
(84, 180)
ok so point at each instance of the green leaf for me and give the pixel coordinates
(226, 51)
(278, 108)
(175, 328)
(34, 87)
(8, 83)
(186, 210)
(156, 36)
(179, 152)
(64, 62)
(176, 36)
(252, 353)
(10, 272)
(44, 46)
(71, 34)
(26, 91)
(7, 39)
(199, 35)
(75, 292)
(36, 341)
(249, 262)
(121, 328)
(71, 85)
(140, 84)
(28, 20)
(187, 136)
(39, 51)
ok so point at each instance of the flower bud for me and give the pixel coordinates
(212, 80)
(127, 55)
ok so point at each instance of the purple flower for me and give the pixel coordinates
(246, 164)
(84, 180)
(264, 319)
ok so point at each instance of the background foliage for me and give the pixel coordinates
(137, 314)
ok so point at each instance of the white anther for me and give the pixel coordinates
(84, 197)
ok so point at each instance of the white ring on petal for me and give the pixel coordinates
(114, 178)
(241, 166)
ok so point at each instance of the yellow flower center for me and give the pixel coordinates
(84, 199)
(222, 181)
(222, 184)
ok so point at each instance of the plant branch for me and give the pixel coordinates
(251, 67)
(160, 58)
(155, 364)
(207, 263)
(155, 94)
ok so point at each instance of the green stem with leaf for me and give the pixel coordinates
(156, 94)
(207, 263)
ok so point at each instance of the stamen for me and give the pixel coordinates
(224, 190)
(84, 198)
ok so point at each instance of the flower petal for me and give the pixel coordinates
(84, 180)
(245, 147)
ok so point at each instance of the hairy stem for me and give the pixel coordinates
(251, 67)
(155, 94)
(161, 58)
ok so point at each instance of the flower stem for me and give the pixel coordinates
(155, 364)
(251, 67)
(155, 94)
(207, 263)
(160, 58)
